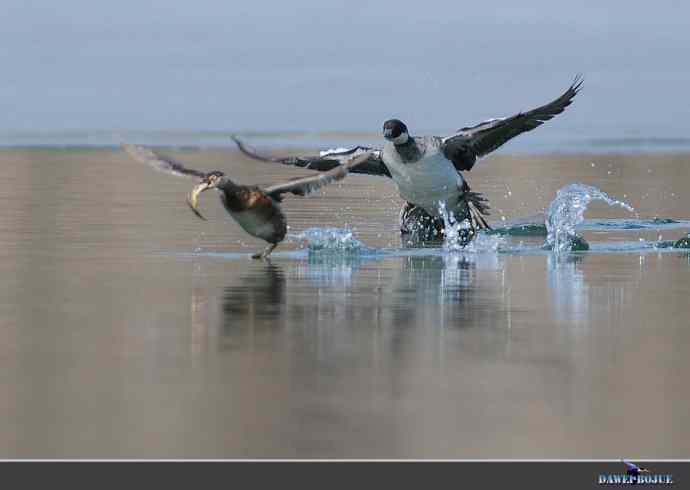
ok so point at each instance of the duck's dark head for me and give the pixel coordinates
(213, 180)
(394, 130)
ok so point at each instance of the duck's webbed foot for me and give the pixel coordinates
(477, 208)
(265, 252)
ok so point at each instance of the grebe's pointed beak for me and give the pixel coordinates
(192, 198)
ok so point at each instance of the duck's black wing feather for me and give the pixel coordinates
(304, 186)
(468, 144)
(326, 161)
(160, 162)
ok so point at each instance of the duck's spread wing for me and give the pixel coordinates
(304, 186)
(327, 160)
(160, 162)
(464, 147)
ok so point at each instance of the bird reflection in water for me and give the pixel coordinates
(567, 286)
(432, 280)
(573, 295)
(406, 284)
(257, 300)
(379, 312)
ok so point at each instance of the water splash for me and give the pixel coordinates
(454, 231)
(567, 211)
(456, 234)
(683, 242)
(329, 239)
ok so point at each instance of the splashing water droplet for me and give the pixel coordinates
(567, 210)
(455, 235)
(452, 229)
(329, 239)
(683, 242)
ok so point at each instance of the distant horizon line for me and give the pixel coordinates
(109, 138)
(285, 132)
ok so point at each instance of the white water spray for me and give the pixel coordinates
(567, 211)
(454, 234)
(329, 239)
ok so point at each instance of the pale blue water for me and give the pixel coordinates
(130, 328)
(564, 220)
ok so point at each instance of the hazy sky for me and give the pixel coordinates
(319, 65)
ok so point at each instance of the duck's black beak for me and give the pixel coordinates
(192, 198)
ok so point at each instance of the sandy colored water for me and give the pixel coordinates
(129, 328)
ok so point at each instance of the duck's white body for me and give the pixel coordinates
(426, 178)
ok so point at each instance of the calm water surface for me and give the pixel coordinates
(129, 328)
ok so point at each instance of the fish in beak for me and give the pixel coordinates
(192, 198)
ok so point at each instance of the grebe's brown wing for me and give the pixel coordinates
(326, 160)
(161, 162)
(305, 185)
(468, 144)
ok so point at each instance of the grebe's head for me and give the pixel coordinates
(212, 180)
(394, 130)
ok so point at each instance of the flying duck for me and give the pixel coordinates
(255, 209)
(426, 169)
